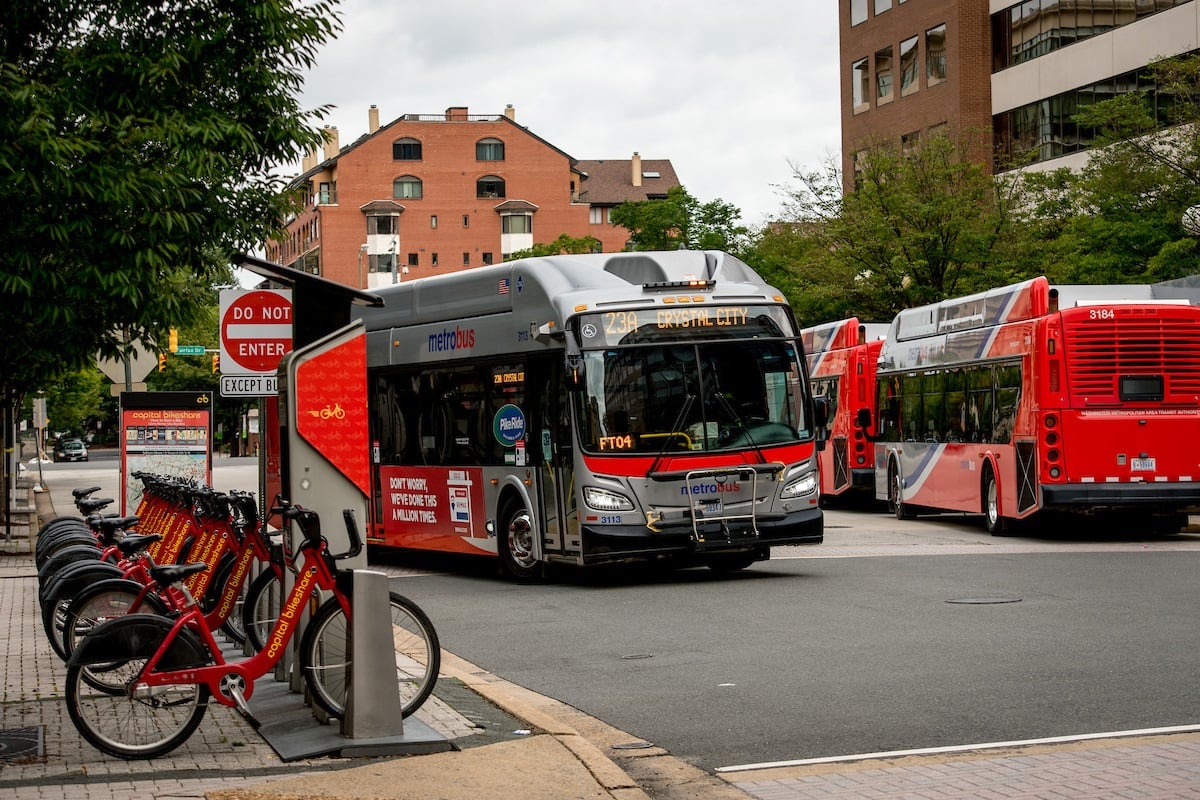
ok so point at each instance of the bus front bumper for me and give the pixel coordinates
(608, 543)
(1164, 496)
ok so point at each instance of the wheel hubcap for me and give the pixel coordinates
(520, 539)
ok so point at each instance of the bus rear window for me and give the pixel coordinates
(1141, 387)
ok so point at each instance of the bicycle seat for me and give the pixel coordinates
(167, 574)
(82, 492)
(110, 525)
(137, 542)
(87, 505)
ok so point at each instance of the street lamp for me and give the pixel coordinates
(392, 258)
(362, 249)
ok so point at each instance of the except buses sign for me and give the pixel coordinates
(256, 330)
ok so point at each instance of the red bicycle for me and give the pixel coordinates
(166, 669)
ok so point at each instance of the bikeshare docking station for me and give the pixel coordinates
(322, 452)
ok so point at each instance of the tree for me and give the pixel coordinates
(681, 221)
(1119, 218)
(137, 148)
(922, 224)
(563, 245)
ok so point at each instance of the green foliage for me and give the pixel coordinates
(137, 145)
(76, 400)
(563, 245)
(681, 221)
(1119, 218)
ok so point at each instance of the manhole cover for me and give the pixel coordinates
(20, 742)
(632, 746)
(983, 601)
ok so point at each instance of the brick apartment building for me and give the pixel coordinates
(425, 194)
(1006, 75)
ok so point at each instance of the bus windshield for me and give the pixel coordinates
(709, 396)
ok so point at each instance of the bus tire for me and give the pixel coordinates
(516, 543)
(989, 501)
(896, 494)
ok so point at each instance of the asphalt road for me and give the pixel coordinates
(850, 647)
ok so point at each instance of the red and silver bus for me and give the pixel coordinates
(842, 357)
(592, 409)
(1030, 398)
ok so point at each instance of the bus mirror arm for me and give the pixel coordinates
(574, 369)
(863, 420)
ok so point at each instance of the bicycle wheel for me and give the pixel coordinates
(140, 722)
(325, 655)
(68, 583)
(232, 625)
(260, 608)
(99, 603)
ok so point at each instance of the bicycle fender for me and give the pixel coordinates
(74, 578)
(138, 636)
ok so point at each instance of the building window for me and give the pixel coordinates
(882, 6)
(407, 187)
(858, 12)
(433, 259)
(433, 221)
(487, 258)
(466, 259)
(414, 260)
(406, 149)
(596, 215)
(385, 226)
(883, 75)
(860, 84)
(516, 223)
(910, 74)
(935, 55)
(381, 263)
(489, 186)
(327, 194)
(466, 220)
(489, 150)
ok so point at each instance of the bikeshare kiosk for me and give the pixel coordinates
(324, 461)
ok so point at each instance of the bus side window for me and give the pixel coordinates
(1008, 394)
(911, 424)
(979, 404)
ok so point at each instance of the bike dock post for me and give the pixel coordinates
(373, 706)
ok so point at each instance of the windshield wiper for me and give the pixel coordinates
(741, 423)
(687, 406)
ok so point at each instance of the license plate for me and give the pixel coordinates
(1142, 464)
(713, 508)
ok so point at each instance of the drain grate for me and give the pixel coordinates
(21, 742)
(984, 600)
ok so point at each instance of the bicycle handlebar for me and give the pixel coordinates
(310, 526)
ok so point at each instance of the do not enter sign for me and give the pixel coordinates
(256, 330)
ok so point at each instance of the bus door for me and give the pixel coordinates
(556, 458)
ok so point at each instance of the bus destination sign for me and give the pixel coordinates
(654, 324)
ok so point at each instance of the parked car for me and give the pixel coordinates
(71, 450)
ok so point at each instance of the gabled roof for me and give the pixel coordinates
(610, 181)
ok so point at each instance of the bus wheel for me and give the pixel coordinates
(516, 543)
(989, 499)
(896, 494)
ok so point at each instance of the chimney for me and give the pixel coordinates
(331, 141)
(373, 118)
(510, 112)
(308, 160)
(456, 114)
(637, 169)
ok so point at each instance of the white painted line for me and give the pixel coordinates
(963, 748)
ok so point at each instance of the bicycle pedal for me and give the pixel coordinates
(234, 690)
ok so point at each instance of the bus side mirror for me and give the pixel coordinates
(574, 370)
(820, 413)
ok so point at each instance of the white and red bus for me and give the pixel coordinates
(592, 409)
(1030, 398)
(842, 357)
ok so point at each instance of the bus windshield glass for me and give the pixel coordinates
(684, 396)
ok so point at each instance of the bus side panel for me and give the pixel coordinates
(435, 508)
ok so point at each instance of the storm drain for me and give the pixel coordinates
(21, 742)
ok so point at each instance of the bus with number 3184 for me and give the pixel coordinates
(592, 409)
(1033, 398)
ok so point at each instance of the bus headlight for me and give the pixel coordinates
(805, 484)
(604, 500)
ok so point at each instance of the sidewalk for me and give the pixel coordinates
(506, 748)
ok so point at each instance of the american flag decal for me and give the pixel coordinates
(503, 287)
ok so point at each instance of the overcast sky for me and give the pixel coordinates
(730, 92)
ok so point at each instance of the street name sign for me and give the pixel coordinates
(190, 350)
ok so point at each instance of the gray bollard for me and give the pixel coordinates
(373, 707)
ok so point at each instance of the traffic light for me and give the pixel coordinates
(216, 363)
(162, 361)
(173, 340)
